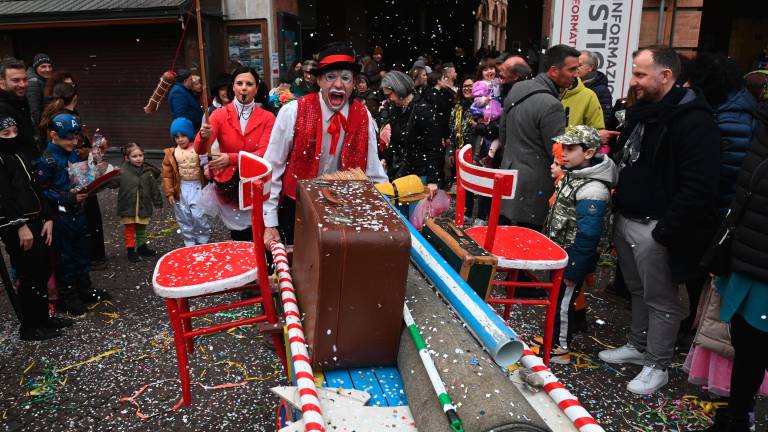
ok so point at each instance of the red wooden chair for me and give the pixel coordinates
(516, 248)
(218, 268)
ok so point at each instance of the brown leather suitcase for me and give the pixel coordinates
(350, 265)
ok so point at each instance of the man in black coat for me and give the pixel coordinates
(666, 204)
(13, 103)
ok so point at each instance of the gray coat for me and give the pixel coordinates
(35, 95)
(526, 131)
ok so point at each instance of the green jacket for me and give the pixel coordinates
(138, 183)
(583, 106)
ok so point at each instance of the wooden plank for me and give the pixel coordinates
(391, 385)
(338, 378)
(365, 379)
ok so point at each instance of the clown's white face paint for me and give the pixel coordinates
(336, 88)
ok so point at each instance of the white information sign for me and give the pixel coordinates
(609, 28)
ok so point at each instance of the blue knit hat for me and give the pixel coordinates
(182, 126)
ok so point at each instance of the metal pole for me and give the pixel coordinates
(201, 52)
(660, 27)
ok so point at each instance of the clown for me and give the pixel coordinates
(317, 134)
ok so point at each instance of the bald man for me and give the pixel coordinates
(513, 69)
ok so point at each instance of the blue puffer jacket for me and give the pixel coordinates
(53, 176)
(737, 123)
(183, 103)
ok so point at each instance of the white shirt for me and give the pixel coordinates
(281, 143)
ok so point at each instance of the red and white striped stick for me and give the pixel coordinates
(564, 399)
(311, 413)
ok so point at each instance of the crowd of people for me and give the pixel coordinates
(652, 176)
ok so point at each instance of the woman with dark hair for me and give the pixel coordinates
(252, 135)
(418, 75)
(365, 94)
(57, 77)
(461, 127)
(221, 92)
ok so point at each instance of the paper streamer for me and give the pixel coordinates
(311, 412)
(564, 399)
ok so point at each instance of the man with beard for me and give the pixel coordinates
(13, 103)
(666, 210)
(533, 115)
(348, 138)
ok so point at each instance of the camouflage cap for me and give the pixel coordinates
(580, 134)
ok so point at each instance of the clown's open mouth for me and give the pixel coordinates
(336, 98)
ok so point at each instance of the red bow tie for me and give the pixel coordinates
(338, 121)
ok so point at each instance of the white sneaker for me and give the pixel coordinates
(623, 354)
(479, 222)
(648, 381)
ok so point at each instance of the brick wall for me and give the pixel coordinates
(687, 24)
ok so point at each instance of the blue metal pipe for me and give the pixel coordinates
(483, 322)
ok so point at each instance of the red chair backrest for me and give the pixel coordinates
(252, 168)
(481, 180)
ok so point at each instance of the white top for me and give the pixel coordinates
(281, 143)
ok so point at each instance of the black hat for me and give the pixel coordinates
(41, 59)
(336, 56)
(221, 80)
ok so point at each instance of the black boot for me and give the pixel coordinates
(145, 251)
(38, 333)
(58, 322)
(89, 294)
(132, 255)
(70, 302)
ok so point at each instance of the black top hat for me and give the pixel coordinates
(336, 56)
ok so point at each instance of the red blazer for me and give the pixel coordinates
(225, 126)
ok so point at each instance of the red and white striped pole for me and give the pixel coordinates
(311, 413)
(564, 399)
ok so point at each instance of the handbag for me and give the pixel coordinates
(717, 258)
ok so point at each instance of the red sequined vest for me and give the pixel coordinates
(304, 161)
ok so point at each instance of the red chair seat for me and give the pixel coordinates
(522, 248)
(204, 269)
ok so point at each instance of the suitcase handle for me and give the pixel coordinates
(455, 229)
(331, 197)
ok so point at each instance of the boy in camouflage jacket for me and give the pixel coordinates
(577, 221)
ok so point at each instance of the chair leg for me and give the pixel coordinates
(186, 324)
(549, 321)
(181, 352)
(511, 277)
(277, 338)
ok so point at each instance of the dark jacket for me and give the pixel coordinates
(18, 108)
(737, 123)
(599, 84)
(370, 98)
(442, 100)
(676, 176)
(20, 195)
(138, 183)
(183, 103)
(416, 135)
(749, 253)
(372, 71)
(35, 93)
(51, 169)
(526, 131)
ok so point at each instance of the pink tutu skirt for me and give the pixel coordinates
(713, 371)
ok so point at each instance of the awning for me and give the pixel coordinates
(16, 14)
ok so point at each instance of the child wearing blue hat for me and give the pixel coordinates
(71, 236)
(183, 179)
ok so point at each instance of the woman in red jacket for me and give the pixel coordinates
(240, 126)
